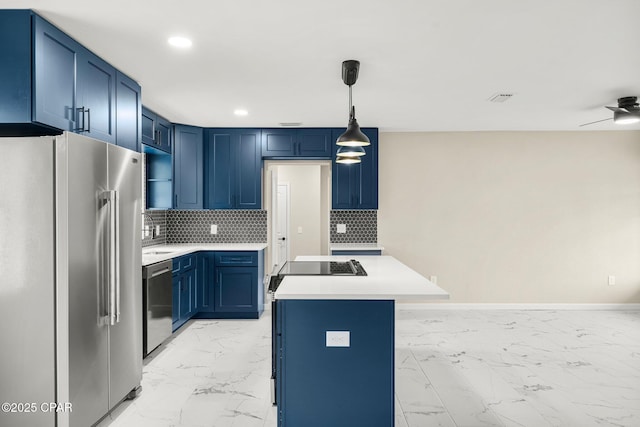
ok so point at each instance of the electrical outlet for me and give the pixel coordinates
(341, 228)
(433, 279)
(338, 339)
(146, 231)
(157, 230)
(214, 229)
(612, 280)
(299, 229)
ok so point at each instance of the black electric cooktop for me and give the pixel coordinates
(316, 268)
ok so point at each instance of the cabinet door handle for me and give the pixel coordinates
(80, 113)
(88, 120)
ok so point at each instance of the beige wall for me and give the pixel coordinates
(305, 209)
(515, 217)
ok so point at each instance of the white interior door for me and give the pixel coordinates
(282, 223)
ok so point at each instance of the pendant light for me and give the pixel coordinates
(350, 151)
(346, 160)
(353, 136)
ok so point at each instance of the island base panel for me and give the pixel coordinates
(321, 385)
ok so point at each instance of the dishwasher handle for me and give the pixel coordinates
(154, 270)
(157, 273)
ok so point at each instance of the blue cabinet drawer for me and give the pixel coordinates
(184, 263)
(236, 258)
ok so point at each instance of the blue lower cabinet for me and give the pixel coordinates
(184, 289)
(336, 354)
(187, 294)
(204, 284)
(229, 285)
(235, 289)
(175, 309)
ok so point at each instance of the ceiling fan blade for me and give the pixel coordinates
(617, 109)
(597, 121)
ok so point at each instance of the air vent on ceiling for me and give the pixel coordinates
(290, 124)
(501, 97)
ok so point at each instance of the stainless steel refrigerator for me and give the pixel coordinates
(70, 279)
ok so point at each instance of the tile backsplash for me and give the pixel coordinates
(233, 226)
(153, 218)
(247, 226)
(361, 226)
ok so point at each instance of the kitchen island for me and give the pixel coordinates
(334, 342)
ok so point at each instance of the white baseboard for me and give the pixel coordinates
(510, 306)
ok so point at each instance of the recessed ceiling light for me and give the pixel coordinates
(240, 112)
(181, 42)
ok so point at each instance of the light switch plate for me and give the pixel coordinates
(338, 339)
(341, 228)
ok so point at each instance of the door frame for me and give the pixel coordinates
(270, 166)
(274, 241)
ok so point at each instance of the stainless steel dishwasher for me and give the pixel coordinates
(157, 304)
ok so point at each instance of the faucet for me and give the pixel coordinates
(153, 227)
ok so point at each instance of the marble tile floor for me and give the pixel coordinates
(470, 368)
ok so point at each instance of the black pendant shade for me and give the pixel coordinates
(353, 136)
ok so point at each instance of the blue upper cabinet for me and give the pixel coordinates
(307, 143)
(16, 70)
(278, 143)
(156, 131)
(128, 109)
(50, 83)
(96, 98)
(54, 88)
(188, 183)
(233, 169)
(74, 89)
(356, 186)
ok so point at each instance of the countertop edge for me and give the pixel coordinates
(178, 250)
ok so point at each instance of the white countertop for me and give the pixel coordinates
(173, 251)
(387, 279)
(356, 247)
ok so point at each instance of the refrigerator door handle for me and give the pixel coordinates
(116, 261)
(111, 198)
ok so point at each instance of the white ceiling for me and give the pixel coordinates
(426, 65)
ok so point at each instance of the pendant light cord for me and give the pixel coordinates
(350, 104)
